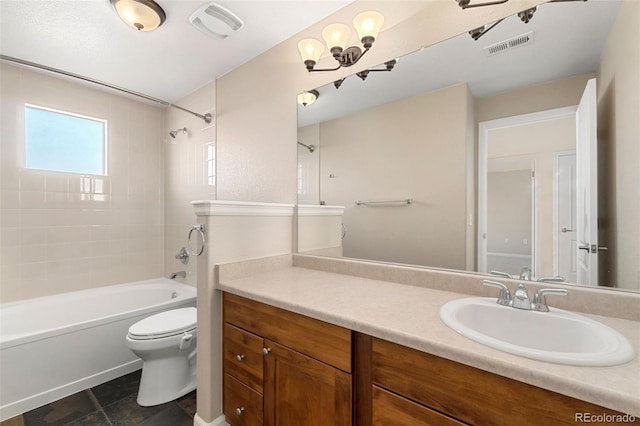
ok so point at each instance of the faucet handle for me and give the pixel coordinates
(501, 274)
(540, 302)
(505, 296)
(556, 279)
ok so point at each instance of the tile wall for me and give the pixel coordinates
(188, 176)
(61, 231)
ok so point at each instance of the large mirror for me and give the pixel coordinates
(464, 156)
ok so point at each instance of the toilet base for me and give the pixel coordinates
(166, 380)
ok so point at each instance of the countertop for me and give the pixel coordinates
(409, 315)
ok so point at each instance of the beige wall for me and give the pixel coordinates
(541, 97)
(414, 148)
(256, 102)
(185, 179)
(62, 231)
(618, 131)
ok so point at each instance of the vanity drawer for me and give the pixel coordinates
(325, 342)
(389, 408)
(469, 394)
(243, 357)
(242, 405)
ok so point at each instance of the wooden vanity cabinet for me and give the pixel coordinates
(282, 368)
(410, 387)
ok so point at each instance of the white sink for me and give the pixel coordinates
(557, 336)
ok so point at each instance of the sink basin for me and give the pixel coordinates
(557, 336)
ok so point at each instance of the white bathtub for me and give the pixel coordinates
(54, 346)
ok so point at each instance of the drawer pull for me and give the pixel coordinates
(239, 357)
(266, 351)
(239, 411)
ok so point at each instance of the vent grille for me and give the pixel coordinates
(509, 44)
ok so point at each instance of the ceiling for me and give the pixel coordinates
(87, 37)
(568, 38)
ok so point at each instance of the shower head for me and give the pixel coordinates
(174, 133)
(311, 148)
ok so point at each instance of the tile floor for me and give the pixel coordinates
(109, 404)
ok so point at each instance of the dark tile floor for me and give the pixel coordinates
(109, 404)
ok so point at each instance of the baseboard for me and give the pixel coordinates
(220, 421)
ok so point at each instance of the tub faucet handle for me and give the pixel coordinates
(183, 256)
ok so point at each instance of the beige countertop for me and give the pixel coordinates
(409, 315)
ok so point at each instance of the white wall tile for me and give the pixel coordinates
(61, 232)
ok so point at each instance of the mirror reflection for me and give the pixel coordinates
(465, 155)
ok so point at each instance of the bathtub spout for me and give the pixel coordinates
(179, 274)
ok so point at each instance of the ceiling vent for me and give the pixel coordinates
(215, 21)
(509, 44)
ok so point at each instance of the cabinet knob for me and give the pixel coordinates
(266, 351)
(239, 357)
(239, 410)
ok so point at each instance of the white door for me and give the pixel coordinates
(587, 187)
(566, 248)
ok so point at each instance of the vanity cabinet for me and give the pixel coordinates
(282, 368)
(410, 387)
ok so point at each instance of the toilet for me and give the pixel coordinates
(166, 343)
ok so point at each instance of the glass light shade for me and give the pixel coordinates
(143, 15)
(310, 49)
(336, 35)
(368, 24)
(307, 98)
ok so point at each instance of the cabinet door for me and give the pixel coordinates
(391, 409)
(302, 391)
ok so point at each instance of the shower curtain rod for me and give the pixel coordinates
(207, 117)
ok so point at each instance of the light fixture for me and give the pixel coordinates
(336, 37)
(307, 98)
(466, 4)
(525, 16)
(388, 66)
(476, 33)
(143, 15)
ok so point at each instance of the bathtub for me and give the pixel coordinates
(54, 346)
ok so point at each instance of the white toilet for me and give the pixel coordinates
(166, 342)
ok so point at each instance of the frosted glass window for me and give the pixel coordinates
(211, 164)
(64, 142)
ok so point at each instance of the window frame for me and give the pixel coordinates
(105, 144)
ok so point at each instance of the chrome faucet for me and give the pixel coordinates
(540, 302)
(501, 274)
(556, 279)
(179, 274)
(505, 296)
(520, 299)
(183, 256)
(525, 273)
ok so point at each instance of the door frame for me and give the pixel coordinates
(484, 128)
(556, 212)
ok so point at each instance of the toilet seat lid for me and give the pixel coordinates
(165, 324)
